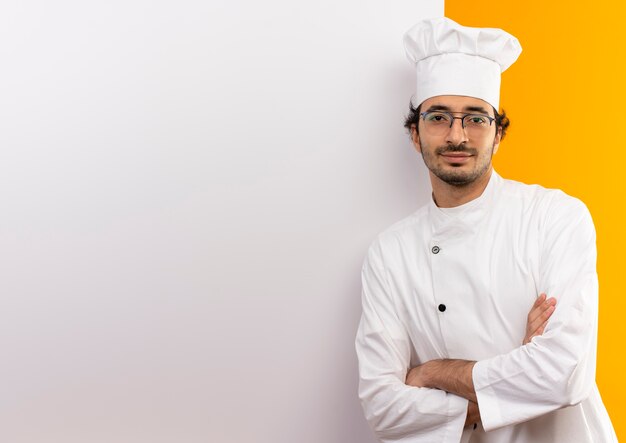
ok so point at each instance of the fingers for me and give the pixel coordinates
(536, 310)
(540, 329)
(538, 317)
(540, 299)
(539, 309)
(542, 317)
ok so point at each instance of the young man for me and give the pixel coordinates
(458, 340)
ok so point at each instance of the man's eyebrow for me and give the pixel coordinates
(438, 108)
(465, 109)
(476, 109)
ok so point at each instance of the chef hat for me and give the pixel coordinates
(457, 60)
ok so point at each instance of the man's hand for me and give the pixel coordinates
(473, 414)
(538, 317)
(417, 376)
(453, 376)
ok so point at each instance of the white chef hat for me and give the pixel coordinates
(451, 59)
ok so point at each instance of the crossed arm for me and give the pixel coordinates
(554, 369)
(455, 376)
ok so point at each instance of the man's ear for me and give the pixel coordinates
(497, 139)
(415, 138)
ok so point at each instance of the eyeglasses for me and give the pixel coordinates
(440, 122)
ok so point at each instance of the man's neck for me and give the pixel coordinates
(449, 196)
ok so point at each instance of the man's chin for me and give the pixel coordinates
(459, 181)
(456, 178)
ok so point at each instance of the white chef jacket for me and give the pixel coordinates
(459, 283)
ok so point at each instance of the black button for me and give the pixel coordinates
(435, 249)
(442, 307)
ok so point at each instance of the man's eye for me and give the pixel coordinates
(438, 118)
(476, 120)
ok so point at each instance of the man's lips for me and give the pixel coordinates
(456, 157)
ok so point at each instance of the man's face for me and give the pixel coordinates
(457, 156)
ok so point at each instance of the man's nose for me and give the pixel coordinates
(456, 135)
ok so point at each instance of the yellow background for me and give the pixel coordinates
(566, 98)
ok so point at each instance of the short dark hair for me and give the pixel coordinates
(413, 118)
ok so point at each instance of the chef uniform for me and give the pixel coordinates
(459, 283)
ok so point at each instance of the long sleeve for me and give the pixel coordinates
(556, 369)
(397, 412)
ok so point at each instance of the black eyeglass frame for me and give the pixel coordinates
(452, 117)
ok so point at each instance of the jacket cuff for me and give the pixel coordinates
(490, 411)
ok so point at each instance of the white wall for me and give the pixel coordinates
(187, 191)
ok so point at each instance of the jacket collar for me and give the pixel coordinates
(464, 218)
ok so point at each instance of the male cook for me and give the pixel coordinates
(453, 343)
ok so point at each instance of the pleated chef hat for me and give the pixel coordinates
(451, 59)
